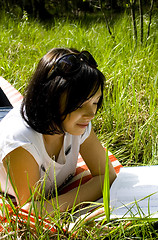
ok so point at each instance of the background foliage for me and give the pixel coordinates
(45, 9)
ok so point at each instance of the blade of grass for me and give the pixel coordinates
(106, 189)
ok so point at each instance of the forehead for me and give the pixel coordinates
(98, 94)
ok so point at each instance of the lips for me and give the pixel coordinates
(82, 125)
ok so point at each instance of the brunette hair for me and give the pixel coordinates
(41, 106)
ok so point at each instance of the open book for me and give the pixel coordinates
(135, 192)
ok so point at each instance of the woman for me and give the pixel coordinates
(40, 140)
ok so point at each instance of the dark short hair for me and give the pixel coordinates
(41, 103)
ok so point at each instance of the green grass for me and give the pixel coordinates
(127, 124)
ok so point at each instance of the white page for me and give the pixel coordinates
(135, 183)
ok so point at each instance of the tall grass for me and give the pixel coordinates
(128, 120)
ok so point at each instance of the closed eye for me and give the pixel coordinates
(95, 103)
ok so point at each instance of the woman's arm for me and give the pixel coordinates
(94, 156)
(24, 174)
(23, 171)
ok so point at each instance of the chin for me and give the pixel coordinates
(77, 132)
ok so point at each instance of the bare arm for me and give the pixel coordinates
(94, 155)
(23, 171)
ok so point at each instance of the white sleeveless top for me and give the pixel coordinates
(14, 133)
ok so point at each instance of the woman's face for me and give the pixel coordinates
(76, 122)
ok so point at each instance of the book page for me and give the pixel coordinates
(131, 185)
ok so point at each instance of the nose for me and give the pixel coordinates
(89, 113)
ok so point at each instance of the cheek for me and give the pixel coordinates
(72, 117)
(70, 120)
(67, 122)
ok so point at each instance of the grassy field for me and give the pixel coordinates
(127, 124)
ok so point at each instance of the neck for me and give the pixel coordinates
(53, 144)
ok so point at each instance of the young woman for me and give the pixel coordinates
(41, 139)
